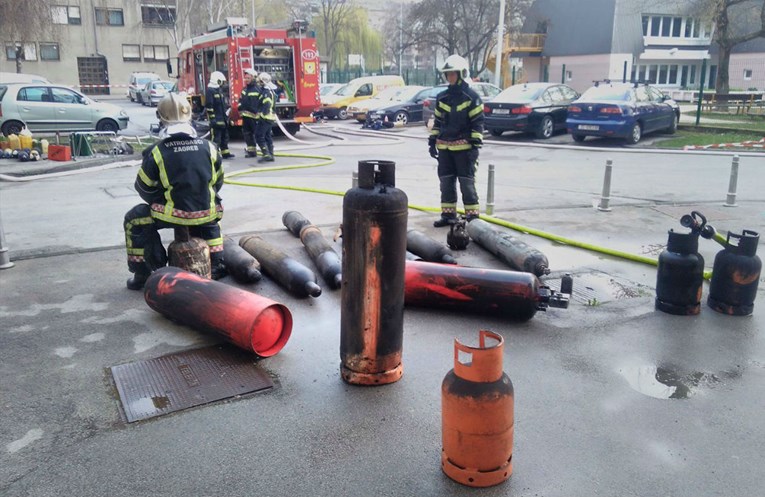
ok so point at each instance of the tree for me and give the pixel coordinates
(23, 22)
(332, 17)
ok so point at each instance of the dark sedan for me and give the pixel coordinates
(621, 110)
(486, 91)
(538, 108)
(406, 110)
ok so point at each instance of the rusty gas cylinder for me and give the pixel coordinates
(736, 275)
(372, 294)
(680, 276)
(477, 417)
(189, 253)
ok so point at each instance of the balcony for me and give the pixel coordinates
(525, 42)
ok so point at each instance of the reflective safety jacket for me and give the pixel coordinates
(249, 101)
(180, 179)
(458, 119)
(216, 105)
(266, 104)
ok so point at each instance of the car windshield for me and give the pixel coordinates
(329, 89)
(143, 81)
(3, 89)
(346, 90)
(408, 93)
(619, 94)
(163, 84)
(389, 93)
(520, 93)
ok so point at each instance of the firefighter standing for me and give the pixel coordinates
(179, 179)
(456, 136)
(248, 109)
(266, 118)
(216, 104)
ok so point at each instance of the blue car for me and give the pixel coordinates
(621, 110)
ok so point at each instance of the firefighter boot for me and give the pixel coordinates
(138, 279)
(444, 220)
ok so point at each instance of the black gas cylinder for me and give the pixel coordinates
(374, 253)
(680, 276)
(735, 275)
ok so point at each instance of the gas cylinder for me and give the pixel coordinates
(372, 295)
(512, 294)
(512, 251)
(735, 275)
(289, 273)
(245, 319)
(477, 415)
(458, 237)
(420, 244)
(680, 275)
(321, 252)
(189, 253)
(239, 263)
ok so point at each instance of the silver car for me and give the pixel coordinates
(153, 91)
(42, 107)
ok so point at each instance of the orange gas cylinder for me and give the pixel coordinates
(477, 415)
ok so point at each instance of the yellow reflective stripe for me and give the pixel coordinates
(214, 242)
(442, 105)
(438, 113)
(184, 221)
(135, 251)
(472, 207)
(246, 113)
(214, 176)
(169, 204)
(145, 178)
(476, 135)
(463, 106)
(434, 132)
(454, 148)
(139, 221)
(475, 110)
(448, 205)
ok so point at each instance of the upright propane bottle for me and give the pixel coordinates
(372, 295)
(735, 275)
(477, 411)
(680, 276)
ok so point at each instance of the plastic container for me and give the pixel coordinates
(14, 142)
(25, 138)
(44, 146)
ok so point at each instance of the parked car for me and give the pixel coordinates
(360, 110)
(336, 106)
(486, 91)
(137, 81)
(42, 107)
(12, 77)
(622, 110)
(538, 108)
(153, 91)
(408, 108)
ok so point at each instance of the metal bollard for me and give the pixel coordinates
(730, 201)
(5, 261)
(490, 192)
(605, 196)
(355, 179)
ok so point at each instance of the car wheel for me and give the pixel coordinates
(342, 114)
(132, 99)
(496, 132)
(635, 134)
(579, 138)
(12, 128)
(673, 127)
(401, 117)
(546, 128)
(107, 125)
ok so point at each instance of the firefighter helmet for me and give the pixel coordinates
(173, 109)
(264, 78)
(455, 63)
(217, 78)
(250, 72)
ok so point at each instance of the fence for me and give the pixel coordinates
(420, 77)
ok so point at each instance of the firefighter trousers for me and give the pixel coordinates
(249, 127)
(264, 136)
(220, 135)
(145, 251)
(456, 166)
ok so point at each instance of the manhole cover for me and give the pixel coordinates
(595, 288)
(186, 379)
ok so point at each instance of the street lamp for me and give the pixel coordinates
(500, 30)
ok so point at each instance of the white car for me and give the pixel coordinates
(153, 91)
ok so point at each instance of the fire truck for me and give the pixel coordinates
(288, 55)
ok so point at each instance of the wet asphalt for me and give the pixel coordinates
(611, 396)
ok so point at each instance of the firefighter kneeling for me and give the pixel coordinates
(179, 179)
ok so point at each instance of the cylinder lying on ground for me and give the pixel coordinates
(319, 249)
(477, 415)
(289, 273)
(239, 263)
(430, 250)
(245, 319)
(514, 294)
(511, 250)
(374, 252)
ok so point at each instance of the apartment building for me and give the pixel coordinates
(96, 44)
(664, 43)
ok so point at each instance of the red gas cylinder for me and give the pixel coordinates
(477, 415)
(245, 319)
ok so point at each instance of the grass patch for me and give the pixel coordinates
(753, 122)
(683, 138)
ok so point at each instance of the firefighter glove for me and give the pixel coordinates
(433, 151)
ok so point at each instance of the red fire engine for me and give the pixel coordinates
(230, 47)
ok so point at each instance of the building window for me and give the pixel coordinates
(655, 25)
(158, 15)
(155, 53)
(131, 53)
(29, 52)
(676, 25)
(65, 14)
(646, 20)
(666, 25)
(109, 17)
(747, 74)
(49, 51)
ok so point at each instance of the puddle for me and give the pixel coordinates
(595, 288)
(666, 383)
